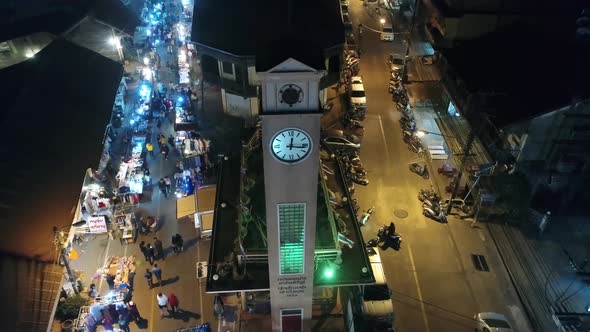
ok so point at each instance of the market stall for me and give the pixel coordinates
(127, 225)
(120, 268)
(205, 209)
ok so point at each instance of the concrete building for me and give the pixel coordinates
(29, 26)
(278, 238)
(534, 110)
(232, 37)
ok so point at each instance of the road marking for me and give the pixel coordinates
(415, 273)
(481, 235)
(384, 140)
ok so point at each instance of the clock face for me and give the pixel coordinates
(291, 94)
(291, 145)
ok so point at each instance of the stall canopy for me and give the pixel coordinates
(55, 109)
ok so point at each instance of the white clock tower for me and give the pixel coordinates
(290, 143)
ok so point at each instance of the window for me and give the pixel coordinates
(227, 67)
(291, 237)
(291, 320)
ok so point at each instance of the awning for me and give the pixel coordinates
(206, 199)
(185, 206)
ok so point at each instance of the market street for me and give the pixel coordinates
(179, 270)
(436, 286)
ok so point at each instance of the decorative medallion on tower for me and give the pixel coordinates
(291, 94)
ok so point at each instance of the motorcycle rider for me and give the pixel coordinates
(390, 238)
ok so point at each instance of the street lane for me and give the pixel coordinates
(436, 287)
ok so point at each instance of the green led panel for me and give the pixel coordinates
(291, 237)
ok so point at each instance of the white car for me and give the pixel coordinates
(349, 141)
(387, 33)
(492, 322)
(357, 92)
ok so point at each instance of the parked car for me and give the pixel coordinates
(492, 322)
(387, 33)
(357, 92)
(377, 304)
(349, 141)
(396, 62)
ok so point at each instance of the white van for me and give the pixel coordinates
(377, 304)
(387, 33)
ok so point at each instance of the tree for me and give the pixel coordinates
(69, 307)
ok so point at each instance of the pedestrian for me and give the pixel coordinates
(159, 248)
(162, 139)
(168, 183)
(162, 303)
(142, 246)
(179, 242)
(92, 292)
(162, 186)
(150, 148)
(171, 141)
(151, 254)
(165, 151)
(148, 276)
(174, 245)
(147, 175)
(134, 312)
(218, 307)
(110, 281)
(173, 301)
(130, 279)
(157, 271)
(124, 317)
(159, 123)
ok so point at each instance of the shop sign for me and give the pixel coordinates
(97, 224)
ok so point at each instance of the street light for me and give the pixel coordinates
(422, 133)
(382, 21)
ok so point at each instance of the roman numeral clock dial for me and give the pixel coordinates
(291, 145)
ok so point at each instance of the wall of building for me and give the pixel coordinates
(471, 26)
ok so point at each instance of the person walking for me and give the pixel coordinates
(150, 254)
(162, 303)
(171, 141)
(179, 242)
(157, 271)
(162, 186)
(134, 312)
(165, 151)
(148, 276)
(159, 248)
(173, 301)
(150, 148)
(168, 183)
(174, 245)
(218, 307)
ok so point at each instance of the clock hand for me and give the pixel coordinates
(290, 146)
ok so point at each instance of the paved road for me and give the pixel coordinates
(436, 286)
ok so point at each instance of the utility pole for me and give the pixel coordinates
(59, 240)
(466, 153)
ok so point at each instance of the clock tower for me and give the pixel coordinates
(290, 143)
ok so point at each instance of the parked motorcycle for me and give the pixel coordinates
(428, 195)
(415, 145)
(359, 179)
(365, 217)
(420, 170)
(351, 169)
(408, 125)
(430, 213)
(433, 205)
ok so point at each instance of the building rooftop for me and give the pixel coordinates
(25, 17)
(244, 231)
(252, 28)
(531, 70)
(45, 164)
